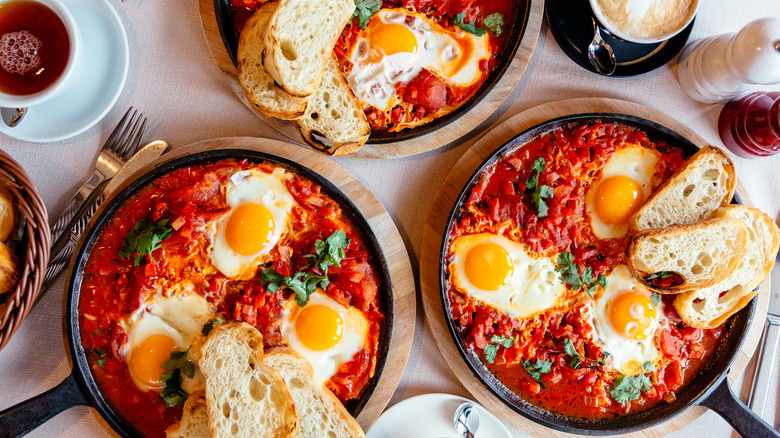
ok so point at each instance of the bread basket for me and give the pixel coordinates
(33, 251)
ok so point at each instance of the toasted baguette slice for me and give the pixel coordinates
(703, 254)
(322, 414)
(299, 41)
(194, 421)
(8, 214)
(257, 83)
(692, 194)
(707, 308)
(245, 397)
(335, 123)
(9, 269)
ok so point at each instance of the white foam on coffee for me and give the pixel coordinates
(19, 52)
(647, 19)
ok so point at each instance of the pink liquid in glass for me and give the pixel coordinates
(750, 125)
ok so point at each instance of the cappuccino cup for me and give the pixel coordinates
(39, 46)
(644, 21)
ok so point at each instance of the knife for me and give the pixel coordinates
(64, 247)
(769, 348)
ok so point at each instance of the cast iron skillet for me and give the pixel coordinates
(516, 32)
(710, 388)
(80, 388)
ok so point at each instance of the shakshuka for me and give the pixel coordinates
(230, 240)
(537, 282)
(412, 61)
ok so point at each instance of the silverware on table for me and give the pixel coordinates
(765, 369)
(600, 53)
(466, 419)
(119, 147)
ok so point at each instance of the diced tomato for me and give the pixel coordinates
(427, 91)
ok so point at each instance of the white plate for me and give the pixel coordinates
(430, 416)
(100, 77)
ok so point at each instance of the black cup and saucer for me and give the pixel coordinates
(572, 26)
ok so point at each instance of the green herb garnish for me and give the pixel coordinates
(627, 388)
(177, 363)
(535, 370)
(468, 27)
(491, 349)
(655, 299)
(540, 192)
(330, 251)
(364, 10)
(99, 355)
(577, 358)
(569, 273)
(494, 23)
(211, 325)
(144, 239)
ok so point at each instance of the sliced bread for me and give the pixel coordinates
(245, 397)
(703, 254)
(194, 421)
(709, 307)
(334, 123)
(299, 41)
(692, 194)
(321, 413)
(257, 83)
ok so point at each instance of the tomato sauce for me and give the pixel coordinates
(189, 197)
(501, 204)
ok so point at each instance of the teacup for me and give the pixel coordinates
(644, 21)
(39, 47)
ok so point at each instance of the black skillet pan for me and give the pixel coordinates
(710, 388)
(516, 30)
(80, 388)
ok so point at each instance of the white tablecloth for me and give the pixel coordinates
(174, 80)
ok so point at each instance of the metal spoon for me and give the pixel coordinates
(12, 116)
(466, 419)
(600, 54)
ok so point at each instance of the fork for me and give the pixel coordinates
(119, 147)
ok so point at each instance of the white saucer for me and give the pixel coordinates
(97, 83)
(430, 416)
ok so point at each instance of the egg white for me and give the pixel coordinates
(532, 287)
(438, 50)
(632, 161)
(250, 186)
(326, 362)
(626, 355)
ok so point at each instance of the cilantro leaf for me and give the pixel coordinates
(144, 239)
(627, 388)
(304, 284)
(211, 325)
(568, 347)
(577, 358)
(535, 370)
(490, 352)
(330, 251)
(100, 355)
(569, 273)
(540, 193)
(655, 299)
(502, 340)
(649, 366)
(468, 27)
(365, 9)
(494, 23)
(272, 279)
(177, 363)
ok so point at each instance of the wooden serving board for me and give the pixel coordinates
(433, 236)
(395, 252)
(464, 127)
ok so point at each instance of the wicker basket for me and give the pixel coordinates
(33, 253)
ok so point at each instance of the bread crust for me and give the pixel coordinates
(680, 178)
(724, 265)
(9, 269)
(194, 419)
(9, 217)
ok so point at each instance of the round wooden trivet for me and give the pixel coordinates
(396, 255)
(457, 131)
(434, 233)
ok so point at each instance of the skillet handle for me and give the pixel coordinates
(749, 425)
(21, 419)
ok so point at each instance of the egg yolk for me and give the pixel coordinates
(147, 358)
(319, 327)
(390, 38)
(488, 266)
(249, 228)
(617, 198)
(631, 314)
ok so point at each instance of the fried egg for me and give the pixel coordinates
(325, 332)
(397, 44)
(624, 185)
(627, 323)
(260, 205)
(164, 324)
(500, 273)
